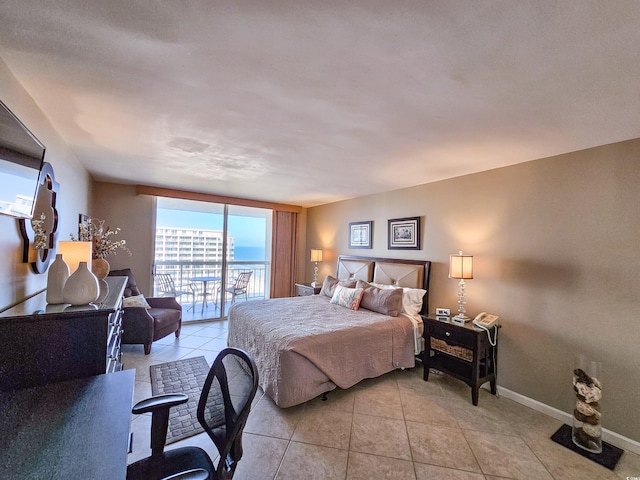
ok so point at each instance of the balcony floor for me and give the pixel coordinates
(211, 311)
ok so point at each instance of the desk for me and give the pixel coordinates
(64, 430)
(205, 281)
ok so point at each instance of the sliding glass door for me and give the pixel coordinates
(192, 238)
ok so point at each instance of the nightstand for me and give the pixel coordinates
(303, 290)
(462, 351)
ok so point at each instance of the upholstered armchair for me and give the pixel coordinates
(143, 325)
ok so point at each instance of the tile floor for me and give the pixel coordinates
(394, 427)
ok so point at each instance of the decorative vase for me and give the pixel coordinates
(103, 290)
(56, 280)
(81, 287)
(100, 268)
(586, 431)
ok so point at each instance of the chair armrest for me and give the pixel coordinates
(164, 302)
(195, 474)
(159, 401)
(137, 324)
(159, 407)
(139, 312)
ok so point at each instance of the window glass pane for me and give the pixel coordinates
(250, 234)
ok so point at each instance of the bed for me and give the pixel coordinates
(307, 346)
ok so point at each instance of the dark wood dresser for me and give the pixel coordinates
(42, 344)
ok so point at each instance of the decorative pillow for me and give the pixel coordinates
(386, 301)
(411, 298)
(135, 301)
(329, 285)
(347, 297)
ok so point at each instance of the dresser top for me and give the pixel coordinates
(36, 307)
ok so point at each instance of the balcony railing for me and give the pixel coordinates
(182, 273)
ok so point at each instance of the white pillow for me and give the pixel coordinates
(412, 300)
(135, 301)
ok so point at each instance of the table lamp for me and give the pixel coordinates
(316, 256)
(74, 253)
(461, 266)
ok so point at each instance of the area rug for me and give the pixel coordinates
(182, 376)
(608, 458)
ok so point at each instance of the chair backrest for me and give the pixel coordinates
(243, 280)
(225, 403)
(132, 288)
(165, 284)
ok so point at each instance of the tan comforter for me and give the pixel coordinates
(305, 346)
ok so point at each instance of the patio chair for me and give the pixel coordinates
(239, 286)
(166, 286)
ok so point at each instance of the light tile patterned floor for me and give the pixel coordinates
(394, 427)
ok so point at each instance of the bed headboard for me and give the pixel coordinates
(390, 271)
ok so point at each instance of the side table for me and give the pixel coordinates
(304, 290)
(462, 351)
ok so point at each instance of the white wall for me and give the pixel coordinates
(17, 281)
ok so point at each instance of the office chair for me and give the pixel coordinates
(223, 410)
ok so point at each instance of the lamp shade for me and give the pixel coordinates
(75, 252)
(461, 266)
(316, 255)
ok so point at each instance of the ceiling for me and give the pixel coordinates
(309, 102)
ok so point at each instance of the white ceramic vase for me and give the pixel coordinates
(81, 287)
(56, 280)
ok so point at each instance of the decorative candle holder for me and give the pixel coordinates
(586, 431)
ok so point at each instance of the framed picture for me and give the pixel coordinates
(83, 224)
(360, 234)
(404, 234)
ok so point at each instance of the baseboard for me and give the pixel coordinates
(607, 435)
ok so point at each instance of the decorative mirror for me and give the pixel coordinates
(40, 232)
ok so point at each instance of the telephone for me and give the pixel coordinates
(485, 319)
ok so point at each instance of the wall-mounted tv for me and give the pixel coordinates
(21, 158)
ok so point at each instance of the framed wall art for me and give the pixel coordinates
(360, 234)
(83, 224)
(404, 234)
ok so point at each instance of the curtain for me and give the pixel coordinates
(283, 255)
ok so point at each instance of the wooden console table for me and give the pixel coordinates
(67, 430)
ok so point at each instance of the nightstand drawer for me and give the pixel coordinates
(304, 290)
(452, 334)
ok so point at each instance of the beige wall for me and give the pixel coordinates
(555, 245)
(17, 281)
(135, 215)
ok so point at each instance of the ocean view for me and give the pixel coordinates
(244, 254)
